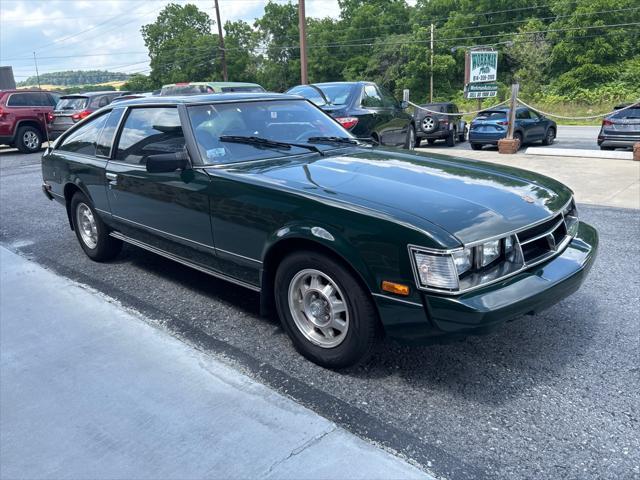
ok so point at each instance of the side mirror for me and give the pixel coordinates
(167, 162)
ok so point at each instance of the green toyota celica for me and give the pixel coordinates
(344, 240)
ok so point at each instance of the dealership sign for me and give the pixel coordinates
(484, 66)
(481, 90)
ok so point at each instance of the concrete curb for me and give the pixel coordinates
(576, 152)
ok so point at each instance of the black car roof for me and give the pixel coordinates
(209, 98)
(93, 94)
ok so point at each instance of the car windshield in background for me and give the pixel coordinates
(186, 90)
(337, 94)
(248, 89)
(310, 93)
(491, 115)
(284, 121)
(72, 103)
(629, 113)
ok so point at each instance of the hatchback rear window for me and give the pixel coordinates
(631, 113)
(72, 103)
(489, 115)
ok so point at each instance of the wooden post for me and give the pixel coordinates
(304, 78)
(509, 144)
(225, 77)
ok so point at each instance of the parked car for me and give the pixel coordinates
(198, 88)
(131, 96)
(620, 129)
(438, 126)
(345, 240)
(365, 109)
(24, 116)
(70, 109)
(491, 125)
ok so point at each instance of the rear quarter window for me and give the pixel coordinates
(83, 140)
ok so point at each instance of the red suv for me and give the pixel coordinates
(24, 116)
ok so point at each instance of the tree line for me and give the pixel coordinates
(75, 77)
(582, 50)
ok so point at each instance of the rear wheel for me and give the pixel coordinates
(328, 315)
(605, 147)
(476, 146)
(451, 139)
(91, 231)
(518, 136)
(410, 141)
(462, 136)
(28, 139)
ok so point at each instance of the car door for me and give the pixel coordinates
(169, 211)
(538, 126)
(525, 123)
(400, 120)
(380, 116)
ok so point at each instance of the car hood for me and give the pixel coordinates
(470, 200)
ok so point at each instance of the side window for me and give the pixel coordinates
(523, 114)
(388, 100)
(83, 140)
(103, 147)
(149, 131)
(104, 101)
(41, 100)
(371, 97)
(534, 115)
(20, 100)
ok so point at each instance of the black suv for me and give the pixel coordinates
(437, 126)
(365, 109)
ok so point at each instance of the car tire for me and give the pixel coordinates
(451, 139)
(476, 146)
(431, 141)
(549, 136)
(429, 124)
(605, 147)
(418, 142)
(410, 141)
(300, 280)
(28, 139)
(518, 136)
(91, 231)
(462, 137)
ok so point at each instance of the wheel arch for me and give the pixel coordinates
(69, 190)
(297, 241)
(28, 123)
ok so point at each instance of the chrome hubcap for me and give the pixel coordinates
(30, 139)
(318, 308)
(87, 227)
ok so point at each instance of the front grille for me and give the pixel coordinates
(543, 240)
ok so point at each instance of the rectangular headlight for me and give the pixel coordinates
(489, 252)
(463, 260)
(438, 271)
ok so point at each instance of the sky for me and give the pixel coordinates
(101, 34)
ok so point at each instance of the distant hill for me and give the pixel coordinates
(75, 77)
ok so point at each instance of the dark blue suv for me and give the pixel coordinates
(491, 125)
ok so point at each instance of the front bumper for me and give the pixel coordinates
(445, 318)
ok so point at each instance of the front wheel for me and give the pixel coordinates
(476, 146)
(549, 137)
(328, 315)
(91, 231)
(451, 139)
(462, 136)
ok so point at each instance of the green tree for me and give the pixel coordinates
(529, 56)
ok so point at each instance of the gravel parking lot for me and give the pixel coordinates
(546, 397)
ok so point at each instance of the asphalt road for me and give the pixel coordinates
(547, 397)
(568, 137)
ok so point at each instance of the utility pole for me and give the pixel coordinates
(35, 60)
(431, 58)
(225, 77)
(304, 78)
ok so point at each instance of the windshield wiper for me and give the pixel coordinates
(266, 143)
(345, 140)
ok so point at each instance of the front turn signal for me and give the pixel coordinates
(397, 288)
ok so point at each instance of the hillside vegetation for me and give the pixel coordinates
(75, 78)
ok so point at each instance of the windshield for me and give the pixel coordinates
(338, 93)
(288, 121)
(72, 103)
